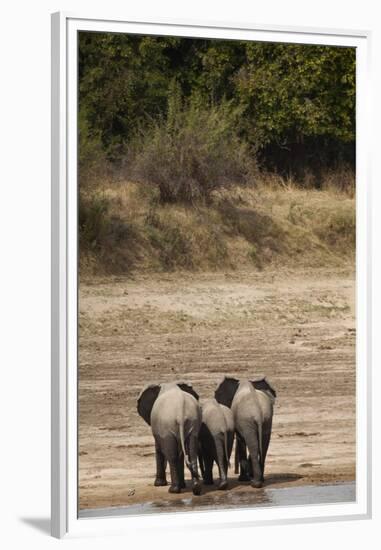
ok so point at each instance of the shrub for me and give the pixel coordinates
(338, 228)
(94, 168)
(109, 241)
(191, 153)
(185, 238)
(342, 179)
(172, 245)
(93, 220)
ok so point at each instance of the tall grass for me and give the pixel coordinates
(190, 195)
(274, 224)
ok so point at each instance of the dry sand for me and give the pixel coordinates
(297, 328)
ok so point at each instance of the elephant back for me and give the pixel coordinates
(229, 418)
(213, 417)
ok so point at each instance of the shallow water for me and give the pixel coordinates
(286, 496)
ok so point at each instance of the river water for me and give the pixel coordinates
(286, 496)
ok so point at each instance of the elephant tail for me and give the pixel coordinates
(201, 462)
(236, 460)
(226, 448)
(182, 441)
(260, 441)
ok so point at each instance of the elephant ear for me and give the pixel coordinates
(187, 387)
(225, 391)
(146, 400)
(261, 383)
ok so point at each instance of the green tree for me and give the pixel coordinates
(297, 102)
(293, 91)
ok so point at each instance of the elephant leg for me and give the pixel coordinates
(242, 459)
(175, 486)
(161, 462)
(208, 470)
(206, 451)
(266, 436)
(221, 462)
(181, 471)
(251, 438)
(192, 452)
(170, 450)
(250, 464)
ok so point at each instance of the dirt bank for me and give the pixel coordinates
(298, 328)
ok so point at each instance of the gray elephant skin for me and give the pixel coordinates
(252, 404)
(173, 412)
(215, 441)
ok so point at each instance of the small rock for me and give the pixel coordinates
(131, 492)
(325, 346)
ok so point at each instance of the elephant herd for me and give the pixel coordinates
(184, 430)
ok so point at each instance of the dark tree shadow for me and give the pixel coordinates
(40, 524)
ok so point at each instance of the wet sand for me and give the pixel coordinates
(286, 496)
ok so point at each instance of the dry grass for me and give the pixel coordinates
(125, 227)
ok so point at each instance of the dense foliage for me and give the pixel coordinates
(296, 103)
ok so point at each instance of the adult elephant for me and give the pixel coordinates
(252, 403)
(173, 412)
(215, 441)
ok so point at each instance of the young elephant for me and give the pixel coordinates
(215, 441)
(173, 412)
(251, 402)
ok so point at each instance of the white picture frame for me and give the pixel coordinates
(65, 522)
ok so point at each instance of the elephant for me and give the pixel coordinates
(252, 403)
(215, 441)
(173, 412)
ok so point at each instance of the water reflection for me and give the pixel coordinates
(245, 498)
(216, 500)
